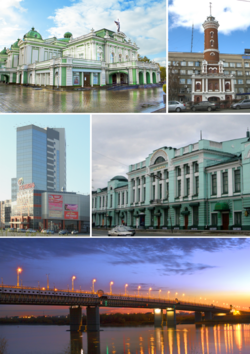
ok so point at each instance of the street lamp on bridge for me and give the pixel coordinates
(149, 291)
(111, 283)
(159, 293)
(139, 287)
(93, 285)
(126, 285)
(19, 270)
(73, 278)
(168, 294)
(47, 281)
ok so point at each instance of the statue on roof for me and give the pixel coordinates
(117, 24)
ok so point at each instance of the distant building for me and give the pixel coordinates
(95, 59)
(204, 185)
(5, 212)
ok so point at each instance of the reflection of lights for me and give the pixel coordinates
(157, 311)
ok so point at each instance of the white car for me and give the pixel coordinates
(175, 106)
(120, 231)
(74, 232)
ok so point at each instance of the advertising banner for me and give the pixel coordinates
(55, 206)
(71, 215)
(72, 207)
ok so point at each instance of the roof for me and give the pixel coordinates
(32, 34)
(119, 178)
(232, 159)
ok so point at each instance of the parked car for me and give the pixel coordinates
(205, 106)
(120, 231)
(175, 106)
(74, 232)
(130, 229)
(44, 231)
(31, 231)
(241, 104)
(63, 232)
(11, 229)
(50, 232)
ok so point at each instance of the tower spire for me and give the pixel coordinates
(210, 5)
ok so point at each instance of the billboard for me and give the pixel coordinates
(71, 215)
(72, 207)
(55, 206)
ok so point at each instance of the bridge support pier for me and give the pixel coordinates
(75, 313)
(197, 317)
(158, 317)
(93, 318)
(208, 316)
(171, 317)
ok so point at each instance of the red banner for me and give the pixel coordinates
(71, 215)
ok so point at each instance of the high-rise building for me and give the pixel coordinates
(40, 158)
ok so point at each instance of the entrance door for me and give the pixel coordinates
(158, 222)
(142, 220)
(87, 79)
(186, 222)
(114, 79)
(225, 221)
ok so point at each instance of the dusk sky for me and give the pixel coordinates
(143, 21)
(215, 269)
(232, 15)
(77, 150)
(132, 138)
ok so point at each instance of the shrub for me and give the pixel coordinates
(164, 88)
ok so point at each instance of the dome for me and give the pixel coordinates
(4, 51)
(32, 34)
(15, 45)
(119, 178)
(67, 35)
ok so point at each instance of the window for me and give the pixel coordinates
(238, 65)
(112, 56)
(232, 65)
(237, 218)
(111, 201)
(182, 81)
(240, 82)
(187, 170)
(241, 90)
(190, 72)
(178, 171)
(197, 185)
(239, 73)
(225, 182)
(120, 58)
(195, 215)
(178, 188)
(183, 63)
(189, 81)
(226, 72)
(190, 63)
(214, 217)
(99, 56)
(80, 55)
(187, 186)
(177, 216)
(212, 34)
(118, 198)
(196, 167)
(248, 81)
(183, 72)
(169, 63)
(160, 191)
(225, 65)
(233, 72)
(197, 63)
(246, 65)
(237, 180)
(214, 184)
(235, 81)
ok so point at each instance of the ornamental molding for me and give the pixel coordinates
(159, 153)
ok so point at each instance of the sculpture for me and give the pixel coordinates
(117, 24)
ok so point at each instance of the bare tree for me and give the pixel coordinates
(173, 80)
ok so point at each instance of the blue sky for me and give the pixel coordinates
(77, 128)
(232, 15)
(54, 18)
(214, 269)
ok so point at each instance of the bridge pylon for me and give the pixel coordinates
(75, 316)
(158, 318)
(171, 317)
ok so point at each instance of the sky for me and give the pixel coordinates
(232, 15)
(211, 268)
(143, 21)
(132, 138)
(77, 149)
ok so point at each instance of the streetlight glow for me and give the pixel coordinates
(149, 291)
(93, 284)
(111, 283)
(126, 285)
(19, 270)
(73, 278)
(139, 287)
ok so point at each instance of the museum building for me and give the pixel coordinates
(95, 59)
(200, 186)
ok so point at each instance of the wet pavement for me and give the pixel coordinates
(17, 99)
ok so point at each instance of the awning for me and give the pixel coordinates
(194, 204)
(186, 212)
(221, 207)
(176, 206)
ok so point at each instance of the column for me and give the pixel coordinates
(182, 181)
(144, 77)
(193, 86)
(158, 317)
(232, 87)
(171, 318)
(203, 88)
(150, 187)
(156, 188)
(150, 75)
(141, 190)
(131, 191)
(137, 76)
(93, 319)
(82, 74)
(206, 85)
(163, 184)
(75, 315)
(220, 85)
(191, 179)
(91, 79)
(208, 316)
(223, 85)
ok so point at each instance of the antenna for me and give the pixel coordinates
(210, 5)
(200, 134)
(192, 37)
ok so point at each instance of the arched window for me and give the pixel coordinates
(120, 58)
(159, 159)
(126, 57)
(212, 34)
(227, 86)
(198, 86)
(215, 70)
(212, 42)
(216, 87)
(210, 70)
(99, 56)
(112, 56)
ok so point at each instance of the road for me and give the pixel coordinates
(23, 234)
(225, 111)
(184, 233)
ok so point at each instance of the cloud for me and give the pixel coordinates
(143, 22)
(12, 22)
(232, 15)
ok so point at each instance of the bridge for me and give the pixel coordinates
(75, 300)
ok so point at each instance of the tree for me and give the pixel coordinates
(145, 59)
(163, 73)
(173, 80)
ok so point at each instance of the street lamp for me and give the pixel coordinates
(176, 294)
(73, 278)
(149, 291)
(126, 285)
(139, 287)
(159, 293)
(93, 284)
(19, 270)
(111, 283)
(47, 281)
(168, 294)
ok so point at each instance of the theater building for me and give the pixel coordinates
(95, 59)
(38, 209)
(204, 185)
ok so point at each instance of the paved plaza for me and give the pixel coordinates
(18, 99)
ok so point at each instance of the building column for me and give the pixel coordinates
(193, 85)
(191, 166)
(171, 318)
(91, 79)
(82, 78)
(197, 316)
(208, 316)
(141, 189)
(223, 85)
(158, 317)
(220, 85)
(164, 185)
(156, 188)
(137, 76)
(75, 318)
(93, 319)
(131, 191)
(144, 77)
(232, 88)
(203, 88)
(182, 181)
(206, 84)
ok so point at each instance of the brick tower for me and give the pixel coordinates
(211, 84)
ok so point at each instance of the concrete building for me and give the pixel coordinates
(40, 159)
(211, 76)
(40, 209)
(204, 185)
(95, 59)
(5, 212)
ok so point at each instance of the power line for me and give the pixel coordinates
(110, 158)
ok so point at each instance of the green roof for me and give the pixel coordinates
(15, 45)
(119, 178)
(4, 51)
(32, 34)
(67, 35)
